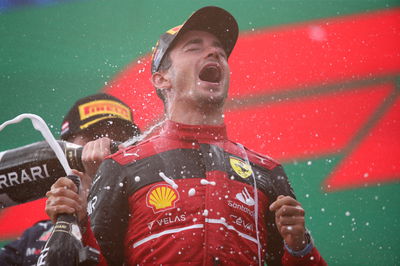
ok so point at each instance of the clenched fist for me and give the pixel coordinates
(289, 219)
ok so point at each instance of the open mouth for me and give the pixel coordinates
(210, 73)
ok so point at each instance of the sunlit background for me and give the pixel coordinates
(315, 84)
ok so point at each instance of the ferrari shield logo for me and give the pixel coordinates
(240, 167)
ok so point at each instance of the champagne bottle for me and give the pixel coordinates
(64, 246)
(27, 172)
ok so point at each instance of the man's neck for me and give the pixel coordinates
(197, 117)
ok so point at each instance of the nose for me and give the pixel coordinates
(212, 52)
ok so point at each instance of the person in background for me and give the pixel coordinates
(93, 122)
(189, 195)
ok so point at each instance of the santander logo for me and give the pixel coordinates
(297, 93)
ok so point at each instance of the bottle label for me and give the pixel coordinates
(69, 228)
(62, 227)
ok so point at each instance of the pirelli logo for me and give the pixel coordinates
(100, 107)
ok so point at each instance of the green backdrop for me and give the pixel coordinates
(51, 55)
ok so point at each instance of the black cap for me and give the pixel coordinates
(212, 19)
(97, 109)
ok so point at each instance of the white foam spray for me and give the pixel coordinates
(142, 136)
(206, 182)
(40, 125)
(168, 180)
(191, 192)
(256, 202)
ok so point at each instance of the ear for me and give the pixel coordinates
(161, 80)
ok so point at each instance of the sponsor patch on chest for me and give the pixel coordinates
(161, 198)
(167, 220)
(240, 167)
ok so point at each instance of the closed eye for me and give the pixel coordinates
(194, 43)
(192, 49)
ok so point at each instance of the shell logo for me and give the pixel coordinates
(162, 198)
(361, 98)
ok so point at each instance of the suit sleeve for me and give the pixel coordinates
(276, 253)
(280, 186)
(12, 253)
(108, 213)
(25, 250)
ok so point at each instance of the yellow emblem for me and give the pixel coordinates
(240, 167)
(161, 198)
(100, 107)
(174, 30)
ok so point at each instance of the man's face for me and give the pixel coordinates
(199, 73)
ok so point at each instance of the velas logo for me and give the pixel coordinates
(344, 104)
(161, 198)
(102, 107)
(240, 167)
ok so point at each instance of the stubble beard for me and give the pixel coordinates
(210, 103)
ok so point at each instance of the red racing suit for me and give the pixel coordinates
(187, 196)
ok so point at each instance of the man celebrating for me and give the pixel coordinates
(92, 122)
(189, 195)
